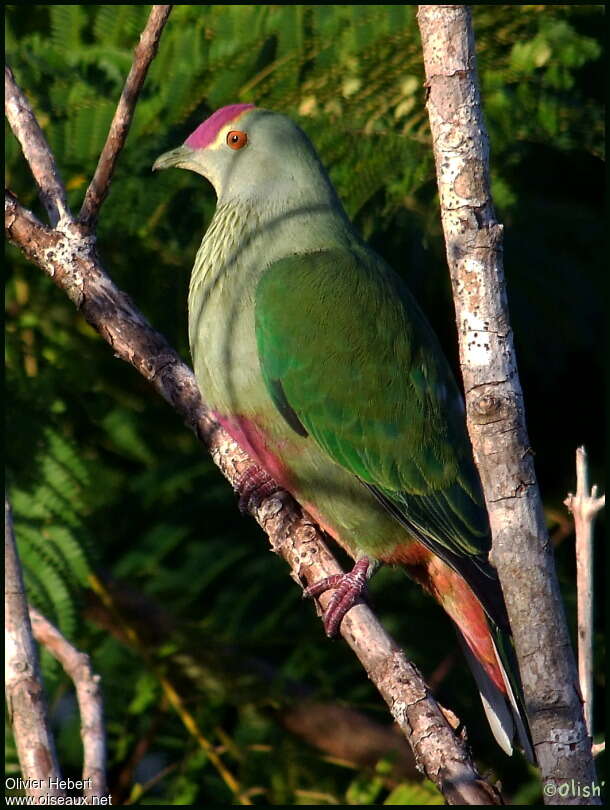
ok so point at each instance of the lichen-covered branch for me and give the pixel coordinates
(27, 708)
(584, 506)
(67, 254)
(521, 550)
(89, 696)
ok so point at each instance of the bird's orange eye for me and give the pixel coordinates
(237, 139)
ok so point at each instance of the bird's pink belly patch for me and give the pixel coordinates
(252, 438)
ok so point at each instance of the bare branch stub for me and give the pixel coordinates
(27, 707)
(35, 149)
(119, 128)
(584, 506)
(77, 666)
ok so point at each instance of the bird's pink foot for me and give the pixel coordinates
(350, 588)
(254, 485)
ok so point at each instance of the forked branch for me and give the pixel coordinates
(77, 667)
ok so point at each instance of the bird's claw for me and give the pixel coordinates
(349, 589)
(254, 485)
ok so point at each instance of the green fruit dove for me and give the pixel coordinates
(316, 359)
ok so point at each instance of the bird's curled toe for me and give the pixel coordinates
(253, 486)
(349, 590)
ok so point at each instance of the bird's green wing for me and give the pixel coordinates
(350, 361)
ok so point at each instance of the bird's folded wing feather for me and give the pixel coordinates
(349, 360)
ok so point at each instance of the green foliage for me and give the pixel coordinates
(108, 486)
(536, 86)
(415, 794)
(367, 789)
(51, 527)
(54, 541)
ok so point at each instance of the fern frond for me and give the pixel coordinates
(67, 23)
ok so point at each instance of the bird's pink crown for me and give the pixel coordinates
(206, 133)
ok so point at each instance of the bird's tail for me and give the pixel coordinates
(489, 651)
(505, 708)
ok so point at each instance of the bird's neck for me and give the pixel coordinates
(224, 241)
(247, 235)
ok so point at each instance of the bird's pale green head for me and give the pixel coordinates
(250, 153)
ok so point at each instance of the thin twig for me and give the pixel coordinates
(336, 729)
(139, 790)
(124, 781)
(25, 698)
(598, 748)
(584, 506)
(172, 695)
(77, 666)
(119, 128)
(26, 129)
(69, 258)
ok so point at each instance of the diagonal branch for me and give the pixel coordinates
(25, 697)
(69, 257)
(119, 128)
(73, 265)
(36, 151)
(88, 694)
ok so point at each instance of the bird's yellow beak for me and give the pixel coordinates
(179, 158)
